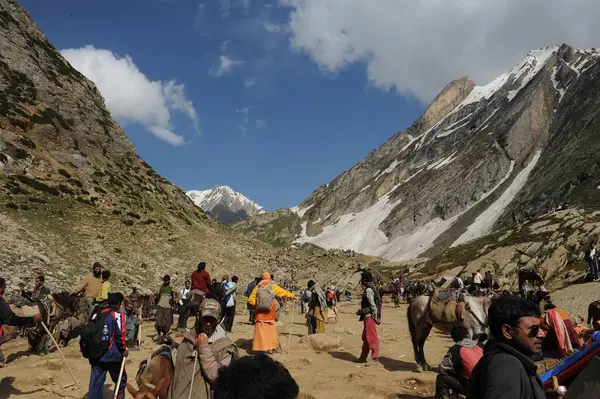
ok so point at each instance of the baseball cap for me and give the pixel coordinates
(212, 308)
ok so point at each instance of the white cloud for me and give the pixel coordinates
(130, 96)
(245, 110)
(417, 47)
(224, 46)
(260, 123)
(249, 83)
(243, 126)
(226, 65)
(275, 28)
(227, 6)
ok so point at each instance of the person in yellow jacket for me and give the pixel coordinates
(265, 331)
(105, 288)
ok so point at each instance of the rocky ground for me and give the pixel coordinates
(322, 374)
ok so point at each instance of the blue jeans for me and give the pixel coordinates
(98, 378)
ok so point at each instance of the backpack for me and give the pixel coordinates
(264, 298)
(91, 344)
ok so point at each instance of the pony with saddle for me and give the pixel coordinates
(444, 311)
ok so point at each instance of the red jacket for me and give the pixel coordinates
(201, 281)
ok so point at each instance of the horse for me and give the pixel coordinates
(154, 375)
(426, 312)
(395, 290)
(67, 316)
(414, 290)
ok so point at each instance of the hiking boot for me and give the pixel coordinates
(361, 360)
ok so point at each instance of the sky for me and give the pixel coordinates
(276, 97)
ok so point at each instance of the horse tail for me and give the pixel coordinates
(411, 325)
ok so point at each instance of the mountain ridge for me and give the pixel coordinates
(422, 190)
(225, 204)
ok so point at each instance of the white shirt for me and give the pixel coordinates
(184, 294)
(477, 278)
(231, 300)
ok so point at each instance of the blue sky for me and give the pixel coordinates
(275, 97)
(312, 125)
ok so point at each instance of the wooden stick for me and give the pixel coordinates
(120, 378)
(61, 354)
(290, 333)
(193, 374)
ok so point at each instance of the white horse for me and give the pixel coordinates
(426, 312)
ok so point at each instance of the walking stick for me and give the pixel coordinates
(193, 373)
(120, 378)
(61, 355)
(290, 333)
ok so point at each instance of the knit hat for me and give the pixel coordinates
(210, 308)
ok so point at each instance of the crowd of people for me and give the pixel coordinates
(207, 359)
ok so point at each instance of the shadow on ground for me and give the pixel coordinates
(108, 392)
(396, 365)
(7, 389)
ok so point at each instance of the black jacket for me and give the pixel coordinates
(504, 373)
(8, 317)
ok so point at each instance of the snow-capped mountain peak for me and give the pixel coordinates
(225, 204)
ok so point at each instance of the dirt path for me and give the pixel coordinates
(322, 375)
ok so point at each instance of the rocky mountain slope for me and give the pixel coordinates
(478, 159)
(224, 204)
(74, 191)
(279, 228)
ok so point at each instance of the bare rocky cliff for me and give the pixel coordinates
(74, 191)
(479, 158)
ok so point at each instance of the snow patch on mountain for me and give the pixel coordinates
(358, 231)
(533, 63)
(225, 204)
(485, 221)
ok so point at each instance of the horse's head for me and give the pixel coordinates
(162, 371)
(146, 391)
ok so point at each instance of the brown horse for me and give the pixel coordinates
(426, 312)
(154, 376)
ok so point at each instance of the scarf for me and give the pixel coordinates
(321, 295)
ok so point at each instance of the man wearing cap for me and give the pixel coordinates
(203, 351)
(90, 286)
(265, 330)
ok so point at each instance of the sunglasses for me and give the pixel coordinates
(532, 332)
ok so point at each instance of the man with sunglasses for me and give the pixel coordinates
(506, 370)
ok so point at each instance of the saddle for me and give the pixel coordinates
(195, 298)
(448, 306)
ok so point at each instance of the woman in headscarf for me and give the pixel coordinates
(265, 330)
(317, 308)
(164, 313)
